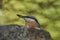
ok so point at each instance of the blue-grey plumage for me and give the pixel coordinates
(30, 31)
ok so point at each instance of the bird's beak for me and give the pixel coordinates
(20, 16)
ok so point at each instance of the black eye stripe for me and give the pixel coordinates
(32, 18)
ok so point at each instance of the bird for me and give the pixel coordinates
(32, 30)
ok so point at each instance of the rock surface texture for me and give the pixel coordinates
(16, 32)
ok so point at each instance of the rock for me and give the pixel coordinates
(9, 32)
(17, 32)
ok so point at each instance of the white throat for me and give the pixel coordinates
(29, 19)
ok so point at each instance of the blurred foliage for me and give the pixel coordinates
(46, 11)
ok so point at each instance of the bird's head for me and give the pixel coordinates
(30, 21)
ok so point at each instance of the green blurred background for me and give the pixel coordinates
(46, 11)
